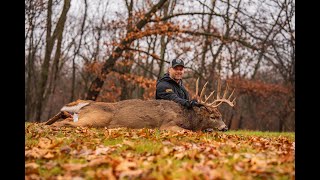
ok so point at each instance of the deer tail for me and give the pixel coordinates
(74, 108)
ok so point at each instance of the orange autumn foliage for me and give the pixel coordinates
(257, 87)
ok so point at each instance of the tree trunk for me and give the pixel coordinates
(45, 65)
(77, 52)
(126, 90)
(30, 64)
(50, 40)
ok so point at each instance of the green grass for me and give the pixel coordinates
(110, 142)
(147, 146)
(290, 135)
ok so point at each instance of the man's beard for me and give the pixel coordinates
(177, 77)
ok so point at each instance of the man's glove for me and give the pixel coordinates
(194, 102)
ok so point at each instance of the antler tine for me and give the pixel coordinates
(218, 89)
(197, 86)
(234, 101)
(202, 91)
(225, 91)
(229, 98)
(219, 100)
(215, 105)
(209, 96)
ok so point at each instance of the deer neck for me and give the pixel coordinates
(192, 121)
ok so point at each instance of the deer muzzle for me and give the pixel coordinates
(223, 128)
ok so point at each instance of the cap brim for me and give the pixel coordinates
(178, 65)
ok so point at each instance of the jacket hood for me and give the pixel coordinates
(166, 77)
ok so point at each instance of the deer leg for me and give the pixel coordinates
(60, 115)
(54, 118)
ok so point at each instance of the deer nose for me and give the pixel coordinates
(224, 129)
(208, 130)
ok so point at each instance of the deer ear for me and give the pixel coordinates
(197, 109)
(208, 109)
(202, 107)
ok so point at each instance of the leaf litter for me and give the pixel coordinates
(90, 153)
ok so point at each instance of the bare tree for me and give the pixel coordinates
(32, 42)
(42, 93)
(77, 50)
(96, 85)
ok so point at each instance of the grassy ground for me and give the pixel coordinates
(89, 153)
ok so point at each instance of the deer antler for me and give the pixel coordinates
(218, 99)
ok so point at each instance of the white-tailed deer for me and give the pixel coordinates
(135, 113)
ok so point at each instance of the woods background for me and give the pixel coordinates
(112, 50)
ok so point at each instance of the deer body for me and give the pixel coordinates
(136, 114)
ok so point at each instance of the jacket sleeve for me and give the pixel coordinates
(165, 91)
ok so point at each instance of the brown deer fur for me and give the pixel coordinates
(135, 113)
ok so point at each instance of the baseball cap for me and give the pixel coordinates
(176, 62)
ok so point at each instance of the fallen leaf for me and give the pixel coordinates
(49, 165)
(105, 174)
(49, 155)
(32, 165)
(129, 143)
(130, 174)
(65, 149)
(126, 165)
(32, 177)
(72, 166)
(98, 162)
(102, 150)
(239, 166)
(35, 153)
(45, 143)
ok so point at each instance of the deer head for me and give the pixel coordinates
(215, 118)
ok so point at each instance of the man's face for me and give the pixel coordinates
(176, 73)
